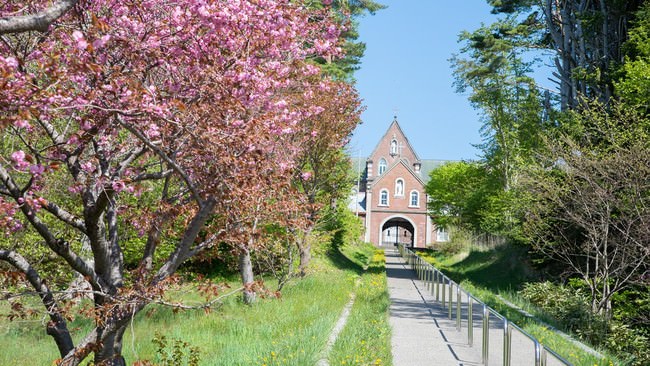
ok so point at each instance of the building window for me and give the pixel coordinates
(415, 199)
(399, 187)
(382, 166)
(442, 234)
(393, 147)
(383, 197)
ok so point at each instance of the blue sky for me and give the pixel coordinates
(406, 72)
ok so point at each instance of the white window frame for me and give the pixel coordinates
(384, 191)
(384, 166)
(417, 201)
(397, 193)
(442, 234)
(394, 146)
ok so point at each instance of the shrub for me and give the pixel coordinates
(568, 306)
(629, 344)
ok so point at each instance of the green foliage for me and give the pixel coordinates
(457, 192)
(175, 352)
(348, 12)
(566, 305)
(345, 226)
(469, 196)
(630, 344)
(634, 85)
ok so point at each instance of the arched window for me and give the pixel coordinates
(399, 187)
(382, 166)
(393, 147)
(415, 199)
(383, 197)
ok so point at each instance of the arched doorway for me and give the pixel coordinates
(397, 230)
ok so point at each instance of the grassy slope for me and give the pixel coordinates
(492, 273)
(365, 339)
(291, 330)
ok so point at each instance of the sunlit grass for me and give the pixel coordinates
(366, 338)
(496, 274)
(291, 330)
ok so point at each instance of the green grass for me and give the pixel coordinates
(291, 330)
(489, 274)
(360, 254)
(502, 268)
(366, 338)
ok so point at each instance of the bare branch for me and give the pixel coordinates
(57, 328)
(59, 246)
(166, 158)
(36, 22)
(65, 216)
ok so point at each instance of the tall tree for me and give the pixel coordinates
(348, 12)
(186, 98)
(586, 37)
(497, 77)
(322, 167)
(589, 205)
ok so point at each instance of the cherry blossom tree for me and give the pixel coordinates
(322, 177)
(190, 101)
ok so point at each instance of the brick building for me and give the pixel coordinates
(391, 197)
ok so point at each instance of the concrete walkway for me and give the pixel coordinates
(423, 333)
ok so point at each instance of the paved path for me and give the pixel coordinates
(423, 334)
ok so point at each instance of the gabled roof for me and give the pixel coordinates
(408, 168)
(428, 165)
(399, 128)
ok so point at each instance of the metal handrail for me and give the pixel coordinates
(437, 282)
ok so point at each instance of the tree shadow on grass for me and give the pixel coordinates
(502, 268)
(342, 262)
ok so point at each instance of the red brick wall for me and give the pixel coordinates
(398, 206)
(383, 150)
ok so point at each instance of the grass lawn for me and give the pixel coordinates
(292, 330)
(365, 340)
(495, 274)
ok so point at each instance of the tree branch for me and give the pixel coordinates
(65, 216)
(36, 22)
(59, 246)
(57, 327)
(166, 158)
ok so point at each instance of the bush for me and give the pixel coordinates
(172, 353)
(568, 306)
(629, 344)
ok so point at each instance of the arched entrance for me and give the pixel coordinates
(397, 230)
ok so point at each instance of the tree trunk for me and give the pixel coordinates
(110, 354)
(305, 258)
(304, 247)
(247, 278)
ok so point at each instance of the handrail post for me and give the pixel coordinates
(486, 334)
(451, 298)
(544, 356)
(444, 299)
(538, 354)
(458, 307)
(470, 321)
(507, 342)
(438, 286)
